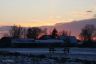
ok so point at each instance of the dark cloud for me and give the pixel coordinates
(89, 11)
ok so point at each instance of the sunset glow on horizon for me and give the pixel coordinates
(44, 12)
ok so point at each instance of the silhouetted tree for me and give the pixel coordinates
(54, 33)
(15, 31)
(5, 42)
(33, 32)
(64, 33)
(88, 32)
(24, 32)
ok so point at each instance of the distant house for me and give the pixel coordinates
(73, 40)
(50, 43)
(37, 43)
(45, 37)
(45, 41)
(69, 39)
(22, 42)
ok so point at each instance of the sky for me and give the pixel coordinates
(44, 12)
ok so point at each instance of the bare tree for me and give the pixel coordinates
(15, 31)
(64, 33)
(33, 32)
(88, 32)
(54, 33)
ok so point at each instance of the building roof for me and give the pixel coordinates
(21, 40)
(49, 41)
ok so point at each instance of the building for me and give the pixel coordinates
(45, 42)
(36, 43)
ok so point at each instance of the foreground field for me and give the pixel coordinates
(44, 56)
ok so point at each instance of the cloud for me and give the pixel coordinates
(89, 11)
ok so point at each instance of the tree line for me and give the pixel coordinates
(87, 32)
(33, 32)
(21, 32)
(86, 36)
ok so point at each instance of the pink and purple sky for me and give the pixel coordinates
(44, 12)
